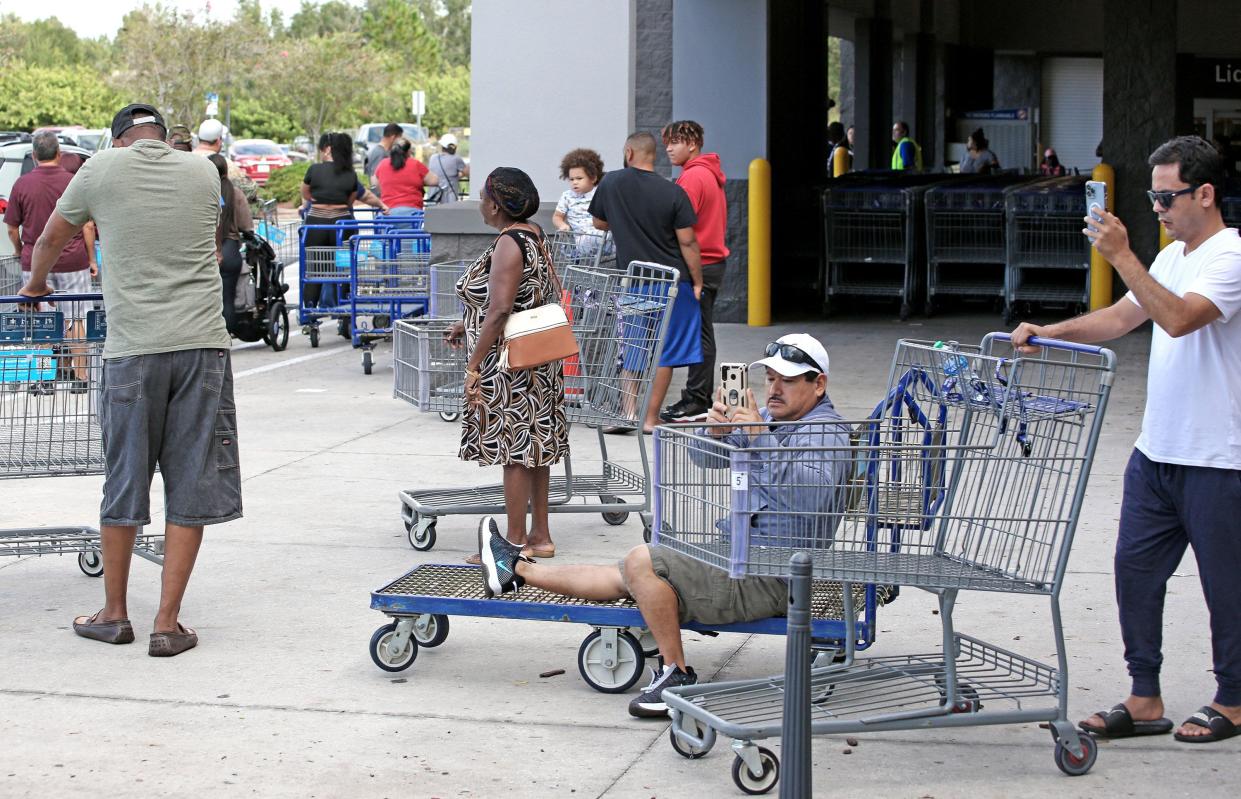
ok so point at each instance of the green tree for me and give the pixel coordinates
(449, 22)
(320, 82)
(35, 96)
(254, 117)
(324, 19)
(395, 28)
(173, 61)
(48, 43)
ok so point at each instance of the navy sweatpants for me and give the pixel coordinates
(1166, 507)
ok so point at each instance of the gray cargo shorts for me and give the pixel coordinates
(707, 595)
(174, 410)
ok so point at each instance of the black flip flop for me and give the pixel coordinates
(1118, 723)
(1221, 727)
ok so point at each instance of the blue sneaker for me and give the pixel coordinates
(499, 559)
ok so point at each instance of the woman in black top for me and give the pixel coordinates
(330, 188)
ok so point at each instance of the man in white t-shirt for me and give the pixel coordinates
(1183, 482)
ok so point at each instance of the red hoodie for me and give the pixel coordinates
(703, 181)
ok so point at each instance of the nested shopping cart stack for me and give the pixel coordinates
(1048, 257)
(968, 480)
(50, 368)
(618, 319)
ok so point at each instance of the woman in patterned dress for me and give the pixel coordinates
(514, 419)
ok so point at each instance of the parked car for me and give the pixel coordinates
(90, 138)
(258, 158)
(370, 134)
(15, 161)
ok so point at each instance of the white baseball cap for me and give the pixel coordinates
(804, 354)
(448, 140)
(210, 130)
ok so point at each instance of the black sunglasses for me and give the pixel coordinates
(792, 354)
(1166, 198)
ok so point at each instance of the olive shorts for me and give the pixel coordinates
(707, 595)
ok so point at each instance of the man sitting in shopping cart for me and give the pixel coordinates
(671, 588)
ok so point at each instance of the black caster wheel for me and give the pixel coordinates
(704, 733)
(314, 336)
(646, 533)
(344, 328)
(421, 532)
(1077, 766)
(755, 784)
(277, 333)
(91, 563)
(613, 518)
(382, 654)
(431, 630)
(610, 670)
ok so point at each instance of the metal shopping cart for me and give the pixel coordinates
(982, 496)
(50, 366)
(389, 279)
(593, 249)
(619, 321)
(965, 239)
(1048, 257)
(11, 279)
(873, 239)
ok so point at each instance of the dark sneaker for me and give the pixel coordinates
(650, 703)
(499, 559)
(684, 411)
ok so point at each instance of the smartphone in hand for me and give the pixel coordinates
(735, 379)
(1096, 198)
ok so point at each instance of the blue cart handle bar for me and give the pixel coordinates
(1055, 344)
(21, 298)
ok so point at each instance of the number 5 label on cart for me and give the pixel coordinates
(741, 481)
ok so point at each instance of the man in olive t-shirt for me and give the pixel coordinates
(166, 386)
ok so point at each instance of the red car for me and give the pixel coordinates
(258, 158)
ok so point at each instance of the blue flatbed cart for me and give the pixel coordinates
(612, 656)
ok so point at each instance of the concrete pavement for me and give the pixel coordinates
(281, 698)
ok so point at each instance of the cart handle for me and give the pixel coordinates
(22, 299)
(1053, 343)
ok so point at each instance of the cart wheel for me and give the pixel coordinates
(1077, 766)
(617, 517)
(342, 328)
(646, 533)
(383, 656)
(367, 363)
(610, 672)
(757, 783)
(650, 649)
(431, 630)
(449, 416)
(278, 327)
(314, 335)
(421, 532)
(707, 734)
(91, 563)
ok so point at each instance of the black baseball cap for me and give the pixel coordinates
(136, 114)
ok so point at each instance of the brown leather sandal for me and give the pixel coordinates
(116, 631)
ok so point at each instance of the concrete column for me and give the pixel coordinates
(1139, 105)
(652, 77)
(872, 82)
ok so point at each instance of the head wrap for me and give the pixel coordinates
(513, 191)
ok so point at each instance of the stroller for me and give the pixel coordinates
(261, 312)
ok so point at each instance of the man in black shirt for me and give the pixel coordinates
(651, 219)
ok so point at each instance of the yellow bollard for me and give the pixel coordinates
(842, 163)
(1164, 238)
(1100, 269)
(760, 243)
